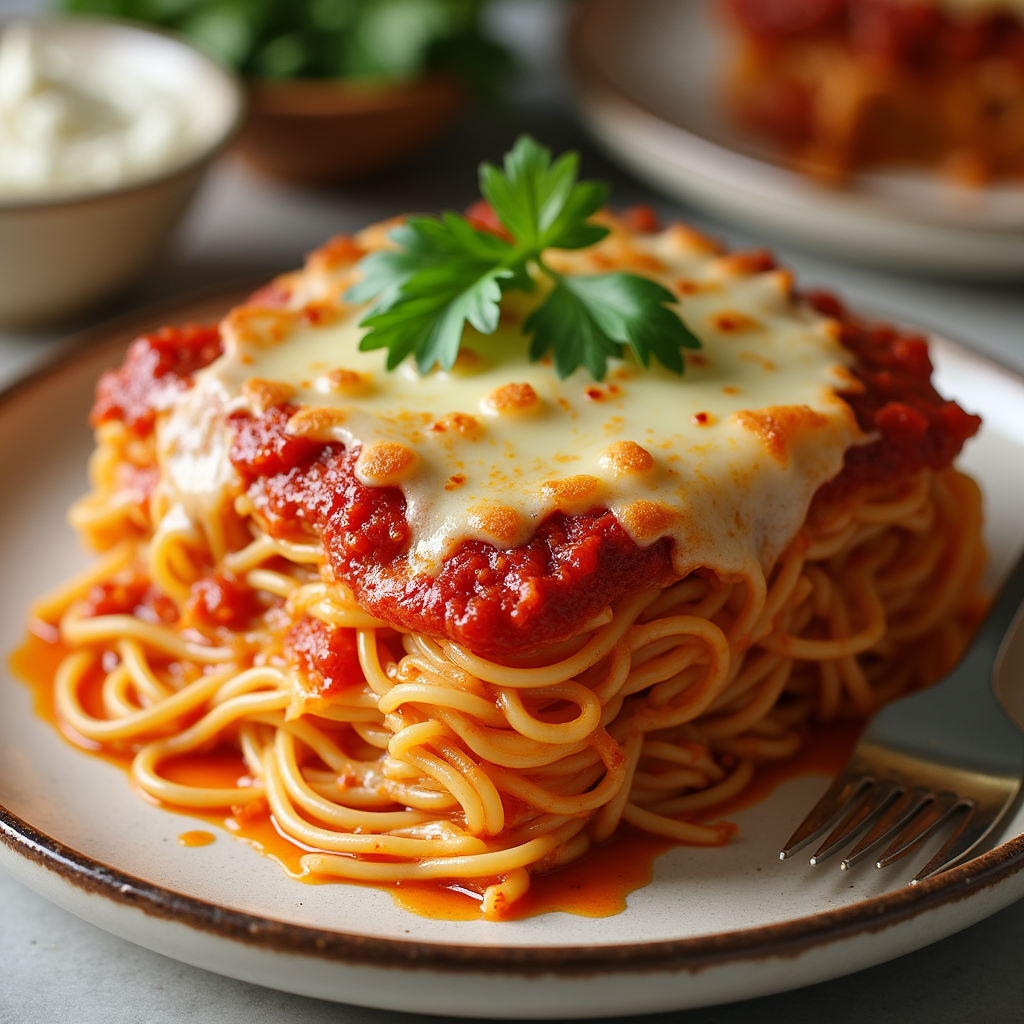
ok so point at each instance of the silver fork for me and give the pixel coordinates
(950, 750)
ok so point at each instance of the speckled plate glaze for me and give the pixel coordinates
(713, 926)
(648, 83)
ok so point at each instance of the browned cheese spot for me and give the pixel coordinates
(777, 426)
(685, 239)
(649, 520)
(376, 236)
(572, 494)
(834, 330)
(339, 251)
(258, 327)
(457, 423)
(627, 457)
(385, 463)
(320, 313)
(455, 481)
(847, 381)
(703, 419)
(624, 255)
(262, 394)
(497, 521)
(733, 322)
(346, 382)
(743, 264)
(316, 423)
(685, 286)
(783, 280)
(512, 398)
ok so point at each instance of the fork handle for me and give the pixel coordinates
(961, 716)
(1004, 610)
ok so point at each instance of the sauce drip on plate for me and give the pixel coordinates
(198, 837)
(595, 886)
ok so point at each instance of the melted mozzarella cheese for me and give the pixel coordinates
(724, 460)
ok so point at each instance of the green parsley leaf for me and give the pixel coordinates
(446, 274)
(443, 274)
(564, 322)
(587, 319)
(540, 204)
(431, 315)
(427, 246)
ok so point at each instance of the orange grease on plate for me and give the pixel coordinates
(595, 886)
(196, 838)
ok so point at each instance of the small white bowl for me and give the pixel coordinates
(60, 255)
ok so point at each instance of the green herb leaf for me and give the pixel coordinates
(395, 39)
(565, 323)
(586, 319)
(445, 273)
(539, 203)
(425, 245)
(428, 320)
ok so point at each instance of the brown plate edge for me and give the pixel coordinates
(787, 939)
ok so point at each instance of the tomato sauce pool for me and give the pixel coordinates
(595, 886)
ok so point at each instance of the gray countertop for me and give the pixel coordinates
(56, 968)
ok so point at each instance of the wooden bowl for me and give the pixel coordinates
(325, 131)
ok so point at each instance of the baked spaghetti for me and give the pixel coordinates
(462, 625)
(842, 85)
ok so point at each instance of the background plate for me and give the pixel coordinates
(713, 926)
(648, 81)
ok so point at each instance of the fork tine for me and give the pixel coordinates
(842, 792)
(875, 798)
(931, 815)
(895, 817)
(976, 825)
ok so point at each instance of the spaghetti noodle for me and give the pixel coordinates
(844, 85)
(397, 753)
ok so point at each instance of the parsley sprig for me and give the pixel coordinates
(446, 273)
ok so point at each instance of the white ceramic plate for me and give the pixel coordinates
(713, 926)
(648, 82)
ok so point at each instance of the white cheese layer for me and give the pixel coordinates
(724, 460)
(68, 124)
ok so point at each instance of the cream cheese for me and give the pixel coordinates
(724, 460)
(69, 125)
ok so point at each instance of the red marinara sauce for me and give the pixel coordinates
(916, 427)
(136, 596)
(156, 368)
(915, 37)
(327, 656)
(502, 602)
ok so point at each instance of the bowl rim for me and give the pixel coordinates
(205, 154)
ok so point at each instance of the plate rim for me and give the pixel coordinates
(788, 939)
(789, 186)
